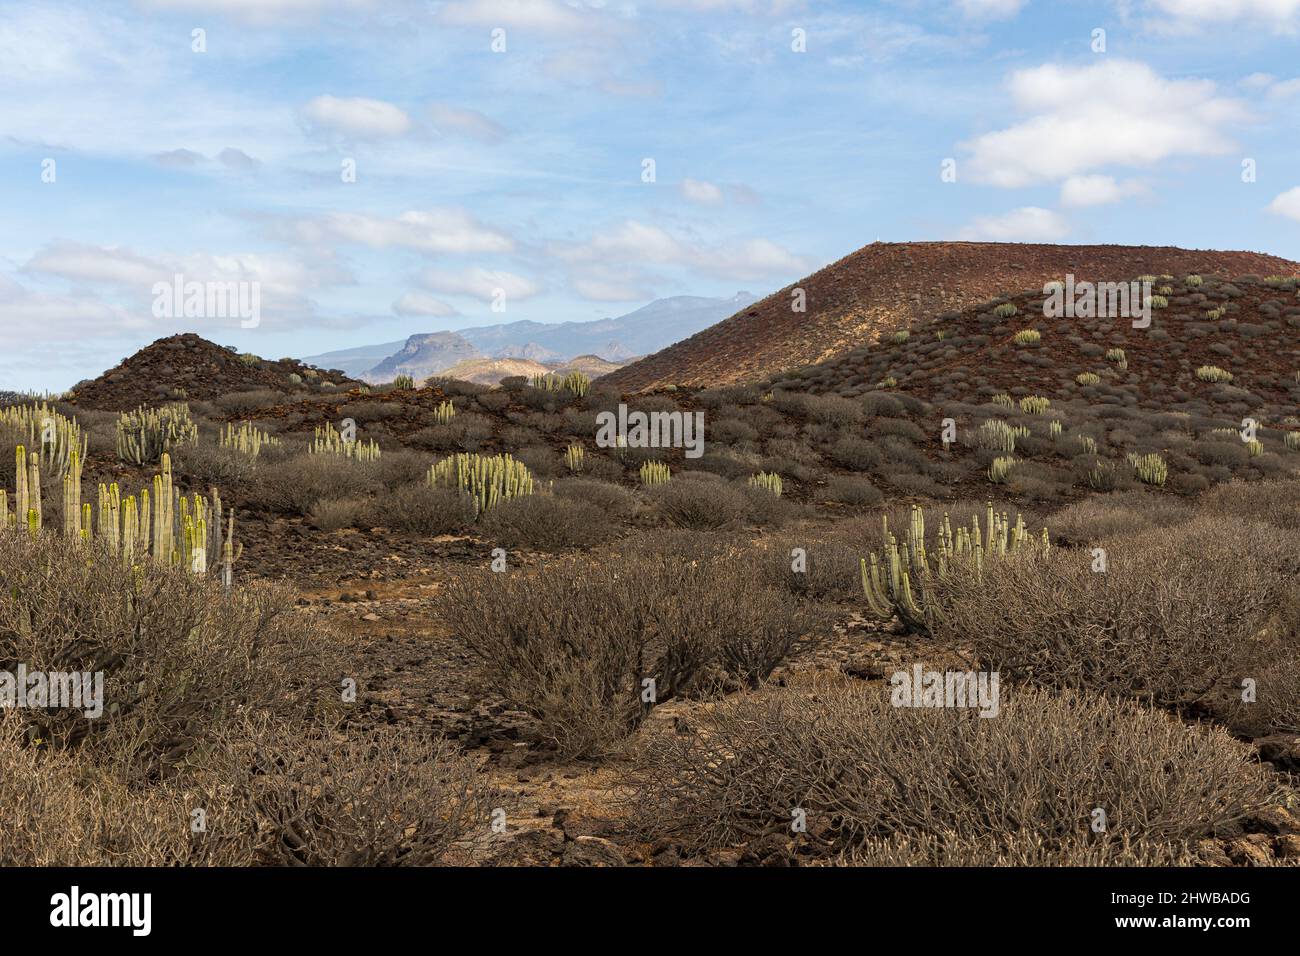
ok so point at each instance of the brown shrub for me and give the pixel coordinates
(698, 504)
(574, 643)
(863, 770)
(419, 508)
(545, 521)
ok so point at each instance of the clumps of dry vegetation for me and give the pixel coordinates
(876, 782)
(589, 648)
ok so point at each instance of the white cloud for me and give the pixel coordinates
(357, 116)
(1287, 204)
(697, 190)
(1028, 224)
(1281, 14)
(534, 14)
(422, 304)
(262, 11)
(480, 283)
(636, 243)
(991, 9)
(466, 122)
(443, 229)
(1118, 112)
(1097, 190)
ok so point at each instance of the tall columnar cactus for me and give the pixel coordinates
(903, 579)
(768, 481)
(577, 383)
(487, 480)
(1000, 469)
(654, 473)
(247, 439)
(575, 457)
(144, 434)
(49, 436)
(444, 413)
(327, 440)
(1035, 404)
(72, 499)
(404, 382)
(1150, 469)
(997, 435)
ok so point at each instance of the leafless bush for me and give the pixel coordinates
(422, 509)
(295, 485)
(575, 643)
(180, 656)
(545, 521)
(863, 770)
(698, 504)
(1179, 615)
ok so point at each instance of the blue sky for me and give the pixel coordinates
(516, 176)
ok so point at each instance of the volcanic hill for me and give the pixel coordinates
(188, 366)
(884, 287)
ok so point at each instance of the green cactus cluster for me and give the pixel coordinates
(997, 435)
(1150, 469)
(888, 382)
(161, 524)
(1028, 337)
(1216, 313)
(904, 578)
(326, 440)
(1035, 404)
(1118, 357)
(1000, 469)
(575, 382)
(1292, 440)
(404, 382)
(247, 439)
(52, 437)
(768, 481)
(146, 433)
(1002, 398)
(1159, 301)
(901, 336)
(1006, 310)
(1212, 373)
(575, 457)
(1088, 378)
(1194, 281)
(654, 473)
(1054, 428)
(444, 412)
(488, 480)
(1255, 447)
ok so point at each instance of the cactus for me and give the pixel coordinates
(1216, 313)
(1002, 398)
(247, 439)
(1118, 357)
(1255, 447)
(903, 579)
(888, 382)
(1088, 378)
(1150, 469)
(1028, 337)
(1054, 428)
(575, 382)
(444, 412)
(52, 437)
(1194, 281)
(1006, 310)
(654, 473)
(403, 382)
(326, 440)
(901, 336)
(997, 435)
(1292, 440)
(1034, 404)
(146, 433)
(1159, 301)
(768, 481)
(1212, 373)
(487, 480)
(573, 457)
(1000, 470)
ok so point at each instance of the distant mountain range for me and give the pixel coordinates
(617, 340)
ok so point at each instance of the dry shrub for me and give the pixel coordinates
(332, 514)
(616, 501)
(422, 509)
(573, 643)
(1274, 502)
(1180, 615)
(393, 798)
(180, 656)
(297, 484)
(1101, 516)
(1018, 849)
(864, 770)
(698, 504)
(545, 521)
